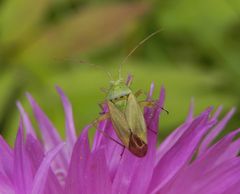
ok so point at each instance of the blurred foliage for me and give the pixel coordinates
(42, 43)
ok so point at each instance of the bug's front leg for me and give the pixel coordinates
(138, 93)
(102, 106)
(101, 118)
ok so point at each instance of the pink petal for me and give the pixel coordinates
(220, 178)
(211, 158)
(232, 189)
(217, 113)
(99, 138)
(97, 177)
(41, 175)
(215, 131)
(180, 153)
(70, 127)
(113, 150)
(6, 186)
(129, 79)
(190, 112)
(125, 172)
(193, 179)
(140, 180)
(232, 150)
(23, 174)
(50, 135)
(26, 121)
(35, 153)
(188, 179)
(75, 182)
(152, 117)
(150, 94)
(147, 110)
(170, 141)
(6, 159)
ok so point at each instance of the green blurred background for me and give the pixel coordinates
(43, 44)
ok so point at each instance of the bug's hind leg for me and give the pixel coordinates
(151, 104)
(123, 151)
(111, 138)
(108, 136)
(102, 118)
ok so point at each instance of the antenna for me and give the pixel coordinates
(107, 72)
(135, 48)
(99, 67)
(93, 65)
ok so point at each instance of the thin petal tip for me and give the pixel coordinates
(59, 90)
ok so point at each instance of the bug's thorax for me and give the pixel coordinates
(118, 94)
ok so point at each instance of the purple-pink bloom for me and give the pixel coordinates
(188, 161)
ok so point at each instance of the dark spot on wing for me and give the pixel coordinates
(137, 146)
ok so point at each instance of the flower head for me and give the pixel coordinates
(186, 162)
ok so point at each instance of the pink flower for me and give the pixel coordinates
(186, 162)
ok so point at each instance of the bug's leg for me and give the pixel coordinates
(122, 151)
(101, 118)
(155, 132)
(138, 93)
(150, 104)
(108, 136)
(101, 105)
(104, 90)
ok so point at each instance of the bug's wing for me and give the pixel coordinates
(135, 119)
(119, 123)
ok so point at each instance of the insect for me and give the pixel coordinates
(126, 113)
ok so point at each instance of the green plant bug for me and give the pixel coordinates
(126, 113)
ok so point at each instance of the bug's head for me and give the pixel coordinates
(118, 89)
(137, 146)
